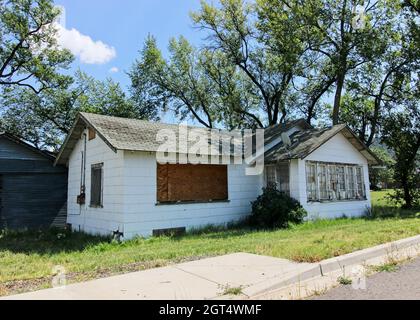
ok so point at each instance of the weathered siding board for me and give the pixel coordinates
(32, 200)
(33, 192)
(29, 166)
(12, 150)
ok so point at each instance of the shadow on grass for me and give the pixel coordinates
(51, 241)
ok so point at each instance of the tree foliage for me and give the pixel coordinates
(382, 176)
(29, 54)
(402, 135)
(45, 118)
(241, 76)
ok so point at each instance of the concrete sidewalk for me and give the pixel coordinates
(259, 277)
(201, 279)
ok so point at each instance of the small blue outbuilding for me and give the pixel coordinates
(33, 192)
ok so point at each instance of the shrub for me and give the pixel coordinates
(275, 209)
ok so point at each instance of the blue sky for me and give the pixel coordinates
(106, 35)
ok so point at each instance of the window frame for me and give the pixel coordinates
(335, 179)
(97, 166)
(280, 182)
(267, 175)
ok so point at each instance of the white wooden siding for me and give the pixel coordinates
(96, 220)
(142, 215)
(129, 191)
(337, 149)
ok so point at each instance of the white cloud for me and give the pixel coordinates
(114, 70)
(82, 46)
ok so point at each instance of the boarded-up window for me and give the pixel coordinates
(187, 182)
(96, 185)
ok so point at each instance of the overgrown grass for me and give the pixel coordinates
(27, 259)
(384, 208)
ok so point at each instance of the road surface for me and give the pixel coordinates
(403, 284)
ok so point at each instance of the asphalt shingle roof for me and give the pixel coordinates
(140, 135)
(307, 141)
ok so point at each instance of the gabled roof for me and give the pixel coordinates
(140, 135)
(26, 145)
(120, 133)
(307, 141)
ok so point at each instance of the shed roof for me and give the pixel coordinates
(26, 145)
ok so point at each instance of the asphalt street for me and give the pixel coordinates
(403, 284)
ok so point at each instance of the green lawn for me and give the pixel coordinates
(26, 260)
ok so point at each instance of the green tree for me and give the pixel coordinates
(402, 135)
(241, 32)
(197, 83)
(382, 176)
(241, 76)
(45, 118)
(378, 84)
(29, 54)
(344, 35)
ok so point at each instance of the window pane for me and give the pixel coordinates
(283, 177)
(333, 182)
(271, 177)
(311, 181)
(341, 183)
(360, 183)
(96, 185)
(350, 183)
(323, 185)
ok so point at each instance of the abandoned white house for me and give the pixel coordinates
(115, 182)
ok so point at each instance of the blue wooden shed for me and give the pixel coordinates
(33, 192)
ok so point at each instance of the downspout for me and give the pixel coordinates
(83, 180)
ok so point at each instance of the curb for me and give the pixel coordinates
(339, 263)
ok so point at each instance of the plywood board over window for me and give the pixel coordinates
(188, 182)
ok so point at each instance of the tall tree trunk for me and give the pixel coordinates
(337, 99)
(407, 195)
